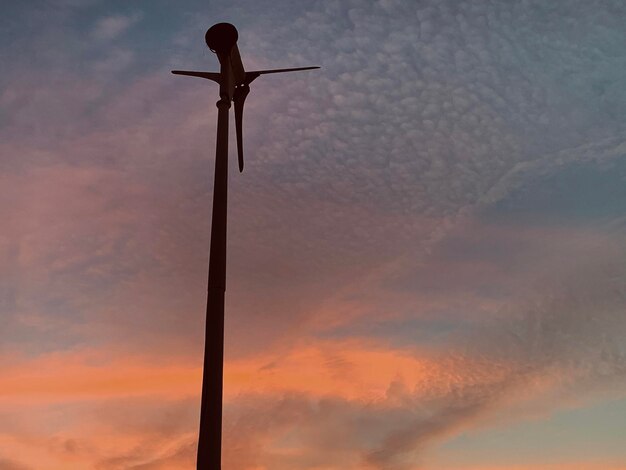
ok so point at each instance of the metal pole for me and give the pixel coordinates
(234, 83)
(210, 438)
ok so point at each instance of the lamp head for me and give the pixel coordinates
(221, 38)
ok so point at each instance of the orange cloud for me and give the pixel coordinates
(354, 370)
(351, 370)
(84, 375)
(281, 406)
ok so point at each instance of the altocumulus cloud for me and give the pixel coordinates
(358, 229)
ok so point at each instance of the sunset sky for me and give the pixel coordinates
(427, 251)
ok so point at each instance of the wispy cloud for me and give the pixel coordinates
(110, 27)
(6, 464)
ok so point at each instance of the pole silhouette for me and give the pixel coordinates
(234, 85)
(209, 453)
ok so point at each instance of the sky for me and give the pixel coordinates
(426, 251)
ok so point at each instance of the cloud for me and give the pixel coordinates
(176, 456)
(6, 464)
(116, 61)
(75, 3)
(561, 345)
(85, 375)
(374, 309)
(110, 27)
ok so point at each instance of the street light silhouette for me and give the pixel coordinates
(234, 84)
